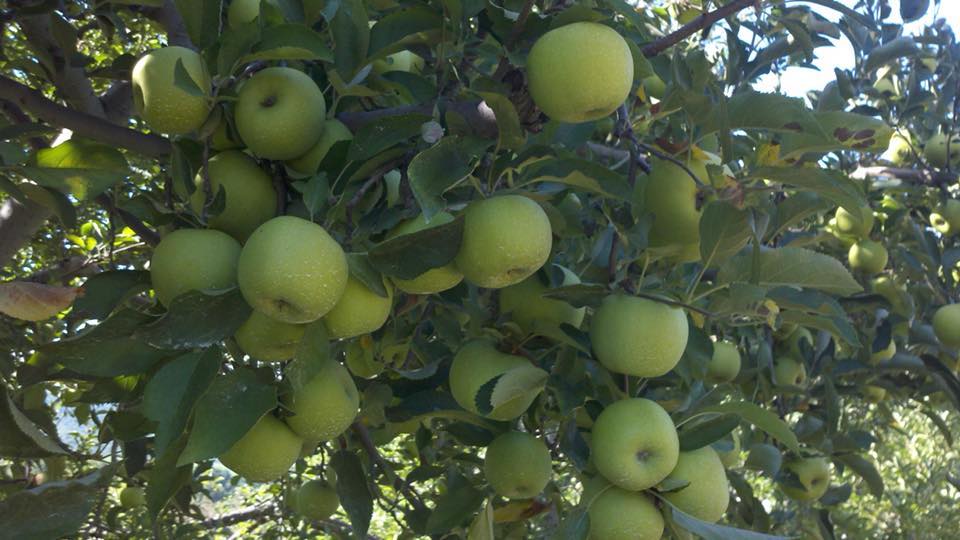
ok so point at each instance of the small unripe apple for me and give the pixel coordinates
(268, 339)
(858, 223)
(787, 371)
(359, 310)
(634, 444)
(433, 280)
(193, 259)
(946, 325)
(527, 306)
(505, 240)
(265, 453)
(619, 514)
(241, 12)
(935, 150)
(868, 257)
(474, 365)
(724, 364)
(132, 497)
(163, 105)
(326, 406)
(517, 465)
(334, 131)
(637, 336)
(317, 500)
(707, 495)
(731, 458)
(249, 196)
(813, 474)
(874, 394)
(946, 219)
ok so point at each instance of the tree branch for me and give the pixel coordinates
(169, 18)
(399, 484)
(263, 513)
(694, 26)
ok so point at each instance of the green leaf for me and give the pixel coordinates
(454, 507)
(518, 383)
(764, 457)
(381, 134)
(351, 37)
(724, 230)
(580, 295)
(290, 42)
(313, 354)
(236, 43)
(511, 134)
(407, 256)
(103, 292)
(173, 390)
(353, 490)
(844, 131)
(832, 185)
(81, 168)
(440, 167)
(386, 35)
(575, 526)
(815, 309)
(226, 412)
(184, 81)
(706, 432)
(202, 19)
(757, 110)
(363, 270)
(19, 436)
(790, 266)
(796, 208)
(482, 526)
(712, 531)
(198, 319)
(52, 510)
(586, 175)
(166, 478)
(763, 419)
(866, 470)
(890, 51)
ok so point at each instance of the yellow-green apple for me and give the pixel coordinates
(326, 406)
(619, 514)
(813, 474)
(868, 257)
(291, 270)
(280, 113)
(265, 452)
(505, 240)
(317, 500)
(334, 131)
(946, 219)
(528, 307)
(193, 259)
(580, 72)
(517, 465)
(707, 493)
(433, 280)
(244, 11)
(634, 444)
(731, 458)
(857, 223)
(935, 150)
(476, 364)
(269, 339)
(132, 497)
(359, 310)
(874, 393)
(793, 340)
(725, 363)
(946, 325)
(671, 195)
(654, 86)
(788, 371)
(900, 150)
(163, 105)
(637, 336)
(249, 196)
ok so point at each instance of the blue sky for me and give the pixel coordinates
(797, 81)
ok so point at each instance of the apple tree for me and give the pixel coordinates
(460, 268)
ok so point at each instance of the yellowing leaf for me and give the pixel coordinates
(518, 383)
(34, 301)
(768, 154)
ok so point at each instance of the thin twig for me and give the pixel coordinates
(694, 26)
(401, 485)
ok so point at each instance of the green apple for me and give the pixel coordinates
(654, 87)
(813, 474)
(517, 465)
(724, 364)
(399, 61)
(868, 257)
(505, 240)
(478, 362)
(163, 105)
(637, 336)
(222, 139)
(671, 195)
(359, 310)
(885, 354)
(946, 219)
(527, 306)
(436, 279)
(269, 339)
(132, 497)
(788, 371)
(265, 453)
(896, 294)
(280, 113)
(634, 444)
(250, 198)
(291, 270)
(946, 325)
(935, 150)
(317, 500)
(334, 131)
(707, 493)
(731, 458)
(791, 344)
(874, 394)
(580, 72)
(619, 514)
(193, 259)
(899, 150)
(241, 12)
(858, 223)
(326, 406)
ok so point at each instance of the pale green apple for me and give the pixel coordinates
(317, 500)
(637, 336)
(132, 497)
(731, 458)
(671, 195)
(619, 514)
(874, 394)
(265, 453)
(580, 72)
(291, 270)
(334, 131)
(404, 60)
(193, 259)
(163, 105)
(858, 223)
(868, 257)
(433, 280)
(813, 474)
(528, 307)
(359, 310)
(634, 444)
(517, 465)
(707, 493)
(885, 354)
(654, 86)
(899, 150)
(787, 371)
(326, 406)
(249, 196)
(505, 240)
(280, 113)
(241, 12)
(725, 363)
(935, 150)
(268, 339)
(946, 325)
(475, 364)
(946, 219)
(894, 293)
